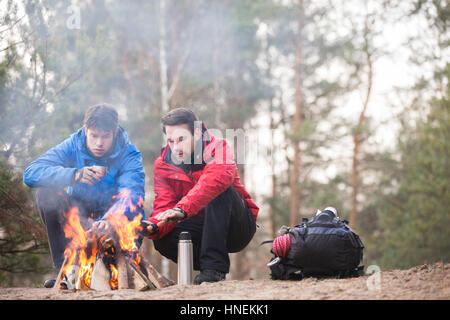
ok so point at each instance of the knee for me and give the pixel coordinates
(225, 197)
(49, 198)
(166, 248)
(158, 245)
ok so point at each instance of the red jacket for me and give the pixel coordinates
(194, 190)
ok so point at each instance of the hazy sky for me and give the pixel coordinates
(392, 72)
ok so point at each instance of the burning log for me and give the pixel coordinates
(114, 269)
(155, 277)
(123, 279)
(57, 285)
(140, 281)
(108, 259)
(100, 277)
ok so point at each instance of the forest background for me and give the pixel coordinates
(326, 103)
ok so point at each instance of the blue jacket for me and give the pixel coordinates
(57, 166)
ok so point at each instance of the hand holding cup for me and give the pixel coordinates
(100, 171)
(88, 175)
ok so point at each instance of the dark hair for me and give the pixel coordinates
(179, 116)
(101, 116)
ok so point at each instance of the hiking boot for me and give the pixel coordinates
(209, 276)
(50, 283)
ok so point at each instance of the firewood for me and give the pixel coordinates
(155, 277)
(57, 285)
(107, 244)
(100, 277)
(123, 272)
(142, 276)
(73, 277)
(137, 282)
(141, 281)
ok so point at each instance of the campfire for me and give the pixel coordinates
(108, 260)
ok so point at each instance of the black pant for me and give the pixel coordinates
(226, 225)
(53, 204)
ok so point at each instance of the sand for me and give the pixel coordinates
(419, 283)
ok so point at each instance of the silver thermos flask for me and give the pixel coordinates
(185, 256)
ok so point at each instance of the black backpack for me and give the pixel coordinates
(322, 246)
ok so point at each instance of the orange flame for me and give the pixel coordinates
(126, 230)
(114, 282)
(82, 249)
(76, 252)
(86, 267)
(75, 231)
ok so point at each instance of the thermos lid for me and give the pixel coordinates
(185, 235)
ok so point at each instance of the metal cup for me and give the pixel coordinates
(100, 170)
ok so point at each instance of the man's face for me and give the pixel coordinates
(181, 142)
(98, 141)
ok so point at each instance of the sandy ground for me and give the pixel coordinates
(422, 282)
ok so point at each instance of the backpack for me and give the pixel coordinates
(323, 246)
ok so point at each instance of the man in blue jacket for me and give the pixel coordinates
(86, 170)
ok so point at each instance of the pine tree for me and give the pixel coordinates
(415, 220)
(23, 245)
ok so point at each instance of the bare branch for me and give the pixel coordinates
(13, 25)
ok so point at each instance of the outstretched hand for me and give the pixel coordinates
(100, 226)
(170, 216)
(166, 217)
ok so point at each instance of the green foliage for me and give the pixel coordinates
(218, 65)
(55, 73)
(415, 219)
(23, 243)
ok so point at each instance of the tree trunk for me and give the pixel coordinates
(295, 201)
(355, 178)
(271, 213)
(240, 261)
(165, 266)
(271, 221)
(357, 139)
(162, 57)
(218, 47)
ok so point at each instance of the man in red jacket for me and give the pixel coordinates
(198, 190)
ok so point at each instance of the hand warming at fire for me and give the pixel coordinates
(100, 226)
(168, 216)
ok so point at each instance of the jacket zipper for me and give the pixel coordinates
(178, 170)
